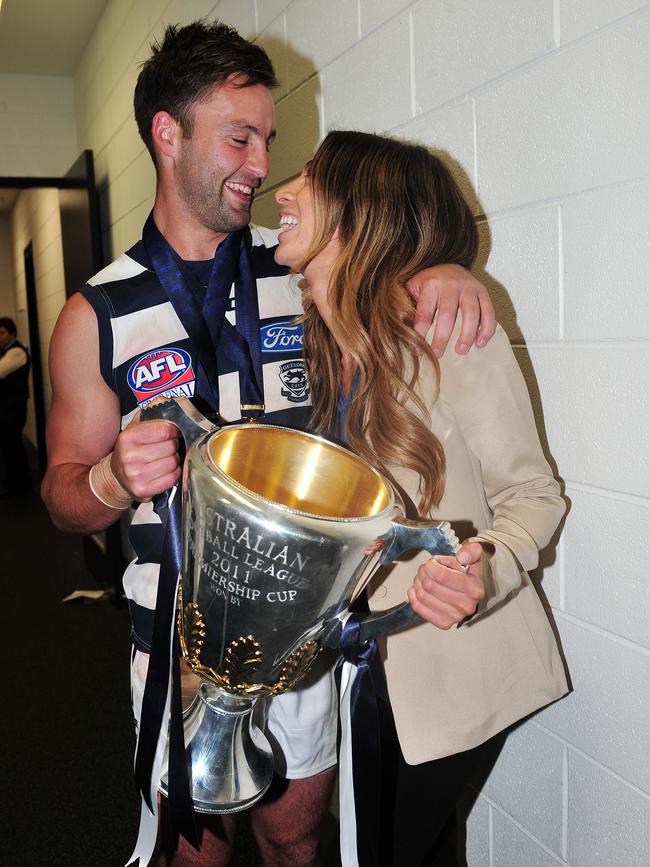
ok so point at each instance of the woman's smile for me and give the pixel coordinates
(287, 221)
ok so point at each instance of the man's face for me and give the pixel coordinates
(5, 337)
(225, 160)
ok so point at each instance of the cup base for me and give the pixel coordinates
(230, 759)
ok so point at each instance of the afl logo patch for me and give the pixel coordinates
(294, 379)
(166, 372)
(281, 337)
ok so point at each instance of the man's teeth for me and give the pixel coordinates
(242, 188)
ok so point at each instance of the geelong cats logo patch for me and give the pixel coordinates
(166, 372)
(294, 379)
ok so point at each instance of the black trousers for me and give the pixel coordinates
(418, 803)
(13, 457)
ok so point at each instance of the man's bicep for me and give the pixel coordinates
(84, 418)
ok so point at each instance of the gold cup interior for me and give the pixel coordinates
(299, 471)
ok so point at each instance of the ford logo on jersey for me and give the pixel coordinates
(281, 337)
(166, 372)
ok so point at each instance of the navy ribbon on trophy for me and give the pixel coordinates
(163, 655)
(202, 312)
(360, 779)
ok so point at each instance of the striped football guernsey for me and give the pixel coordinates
(145, 352)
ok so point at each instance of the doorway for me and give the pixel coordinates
(37, 395)
(74, 200)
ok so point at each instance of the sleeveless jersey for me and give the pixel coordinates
(145, 352)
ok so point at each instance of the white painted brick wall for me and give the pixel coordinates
(297, 123)
(268, 10)
(274, 41)
(450, 132)
(132, 187)
(182, 11)
(38, 136)
(578, 17)
(577, 119)
(36, 217)
(239, 14)
(386, 53)
(541, 106)
(608, 714)
(607, 238)
(599, 588)
(609, 821)
(525, 289)
(373, 13)
(318, 33)
(513, 847)
(478, 831)
(526, 783)
(596, 407)
(459, 46)
(7, 294)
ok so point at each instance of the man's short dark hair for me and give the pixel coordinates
(187, 63)
(8, 323)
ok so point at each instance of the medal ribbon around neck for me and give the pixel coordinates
(203, 314)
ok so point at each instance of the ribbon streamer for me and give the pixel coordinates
(202, 313)
(358, 672)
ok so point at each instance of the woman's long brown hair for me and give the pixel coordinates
(397, 210)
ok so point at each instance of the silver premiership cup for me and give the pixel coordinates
(275, 524)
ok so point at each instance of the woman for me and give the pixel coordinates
(458, 438)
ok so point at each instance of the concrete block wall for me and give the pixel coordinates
(539, 106)
(36, 217)
(38, 134)
(7, 300)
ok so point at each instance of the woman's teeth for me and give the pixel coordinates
(287, 221)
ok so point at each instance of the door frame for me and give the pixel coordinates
(103, 556)
(80, 176)
(38, 395)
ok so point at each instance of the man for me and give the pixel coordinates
(174, 317)
(14, 391)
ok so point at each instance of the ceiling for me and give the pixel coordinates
(41, 37)
(45, 37)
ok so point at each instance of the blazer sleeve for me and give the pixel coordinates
(495, 417)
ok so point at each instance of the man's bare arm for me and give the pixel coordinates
(84, 426)
(442, 290)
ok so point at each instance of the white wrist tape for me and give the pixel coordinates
(106, 487)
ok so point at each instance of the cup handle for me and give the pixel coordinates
(183, 414)
(403, 535)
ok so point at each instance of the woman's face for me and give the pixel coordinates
(298, 230)
(297, 233)
(297, 221)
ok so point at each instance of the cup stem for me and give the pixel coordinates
(230, 759)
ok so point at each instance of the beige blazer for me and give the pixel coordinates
(452, 690)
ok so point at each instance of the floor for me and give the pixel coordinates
(66, 733)
(66, 729)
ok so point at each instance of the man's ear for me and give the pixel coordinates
(165, 134)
